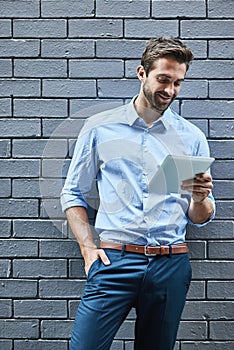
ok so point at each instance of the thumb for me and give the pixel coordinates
(104, 258)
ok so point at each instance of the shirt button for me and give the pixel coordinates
(148, 234)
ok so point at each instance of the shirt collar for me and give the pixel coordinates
(132, 115)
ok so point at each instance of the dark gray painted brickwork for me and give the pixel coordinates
(60, 62)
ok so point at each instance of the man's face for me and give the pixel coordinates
(162, 84)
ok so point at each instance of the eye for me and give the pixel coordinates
(163, 80)
(177, 83)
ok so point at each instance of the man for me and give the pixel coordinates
(142, 261)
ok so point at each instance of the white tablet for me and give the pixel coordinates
(175, 169)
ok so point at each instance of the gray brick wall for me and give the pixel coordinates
(61, 59)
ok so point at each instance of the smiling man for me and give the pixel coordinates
(142, 261)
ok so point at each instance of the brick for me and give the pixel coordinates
(25, 188)
(18, 208)
(217, 89)
(40, 108)
(5, 188)
(19, 329)
(86, 108)
(10, 288)
(39, 268)
(223, 169)
(5, 148)
(54, 167)
(194, 89)
(69, 88)
(123, 8)
(56, 329)
(59, 249)
(171, 8)
(76, 268)
(61, 288)
(206, 345)
(224, 210)
(39, 148)
(73, 305)
(19, 48)
(40, 68)
(130, 68)
(197, 250)
(213, 269)
(96, 69)
(221, 128)
(5, 268)
(68, 128)
(211, 69)
(150, 28)
(19, 87)
(221, 48)
(221, 250)
(126, 330)
(120, 48)
(37, 229)
(5, 308)
(222, 149)
(19, 248)
(5, 25)
(222, 330)
(50, 188)
(6, 344)
(222, 290)
(11, 8)
(95, 28)
(47, 28)
(19, 168)
(5, 107)
(211, 310)
(223, 189)
(5, 68)
(117, 88)
(207, 109)
(5, 228)
(192, 330)
(67, 8)
(206, 29)
(214, 230)
(198, 47)
(20, 127)
(117, 345)
(69, 48)
(40, 309)
(217, 9)
(51, 208)
(40, 345)
(196, 290)
(201, 124)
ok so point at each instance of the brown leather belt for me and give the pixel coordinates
(146, 249)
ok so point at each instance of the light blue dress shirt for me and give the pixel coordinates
(120, 151)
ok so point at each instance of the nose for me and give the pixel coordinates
(170, 90)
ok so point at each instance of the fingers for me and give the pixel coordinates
(94, 255)
(200, 186)
(104, 258)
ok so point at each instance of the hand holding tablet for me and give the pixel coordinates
(176, 169)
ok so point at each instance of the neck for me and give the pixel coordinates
(147, 113)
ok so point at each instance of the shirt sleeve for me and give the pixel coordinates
(204, 151)
(82, 171)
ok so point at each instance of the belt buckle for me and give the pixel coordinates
(148, 254)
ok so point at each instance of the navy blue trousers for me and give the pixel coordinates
(155, 286)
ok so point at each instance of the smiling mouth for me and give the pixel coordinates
(164, 98)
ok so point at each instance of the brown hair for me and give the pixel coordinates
(165, 47)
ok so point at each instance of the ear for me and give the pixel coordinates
(141, 73)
